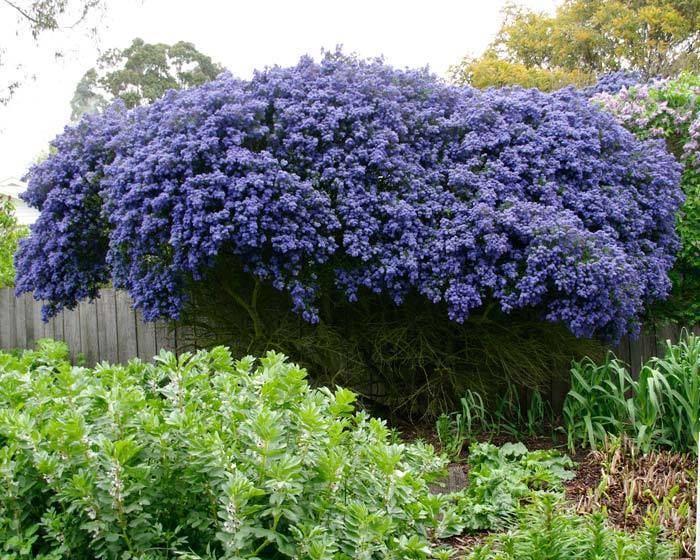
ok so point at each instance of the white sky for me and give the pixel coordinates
(241, 36)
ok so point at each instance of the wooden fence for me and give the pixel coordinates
(107, 330)
(110, 330)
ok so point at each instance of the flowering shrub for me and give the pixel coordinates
(670, 110)
(63, 261)
(352, 175)
(202, 457)
(613, 82)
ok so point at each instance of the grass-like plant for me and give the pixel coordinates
(409, 358)
(506, 413)
(660, 409)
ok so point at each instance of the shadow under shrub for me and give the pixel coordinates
(410, 359)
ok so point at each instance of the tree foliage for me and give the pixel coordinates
(50, 15)
(587, 38)
(141, 73)
(40, 16)
(490, 70)
(10, 233)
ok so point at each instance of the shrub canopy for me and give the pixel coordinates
(351, 175)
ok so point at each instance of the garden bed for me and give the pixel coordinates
(267, 466)
(625, 484)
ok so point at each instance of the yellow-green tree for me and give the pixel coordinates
(586, 38)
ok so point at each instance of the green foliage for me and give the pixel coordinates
(547, 530)
(501, 479)
(10, 234)
(661, 409)
(141, 73)
(586, 38)
(410, 358)
(203, 457)
(491, 71)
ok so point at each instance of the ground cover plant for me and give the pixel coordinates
(661, 409)
(203, 457)
(501, 479)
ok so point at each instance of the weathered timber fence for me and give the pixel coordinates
(109, 329)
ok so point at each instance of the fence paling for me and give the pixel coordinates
(108, 329)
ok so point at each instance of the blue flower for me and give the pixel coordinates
(381, 179)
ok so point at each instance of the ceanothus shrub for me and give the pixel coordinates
(353, 176)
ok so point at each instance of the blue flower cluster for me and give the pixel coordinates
(380, 179)
(64, 259)
(613, 82)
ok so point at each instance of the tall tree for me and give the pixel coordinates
(141, 73)
(586, 38)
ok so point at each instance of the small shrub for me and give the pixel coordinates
(203, 457)
(659, 410)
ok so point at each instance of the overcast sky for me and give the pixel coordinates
(241, 36)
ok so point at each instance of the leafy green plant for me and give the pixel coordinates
(502, 478)
(548, 530)
(659, 410)
(202, 457)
